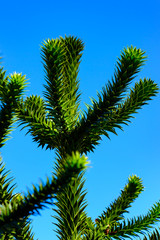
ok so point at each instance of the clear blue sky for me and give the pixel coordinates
(106, 27)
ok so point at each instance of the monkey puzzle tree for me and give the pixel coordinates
(15, 208)
(56, 122)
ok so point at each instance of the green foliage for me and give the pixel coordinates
(32, 112)
(155, 235)
(55, 122)
(61, 61)
(115, 212)
(112, 224)
(112, 108)
(70, 208)
(21, 229)
(21, 207)
(11, 89)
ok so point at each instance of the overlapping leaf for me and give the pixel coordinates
(139, 225)
(107, 114)
(61, 61)
(55, 123)
(11, 89)
(115, 212)
(22, 229)
(18, 209)
(33, 115)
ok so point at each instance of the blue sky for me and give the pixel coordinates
(106, 28)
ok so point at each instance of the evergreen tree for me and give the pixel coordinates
(56, 122)
(15, 209)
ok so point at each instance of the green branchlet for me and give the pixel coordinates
(22, 229)
(32, 113)
(56, 124)
(17, 209)
(109, 112)
(61, 62)
(155, 235)
(11, 89)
